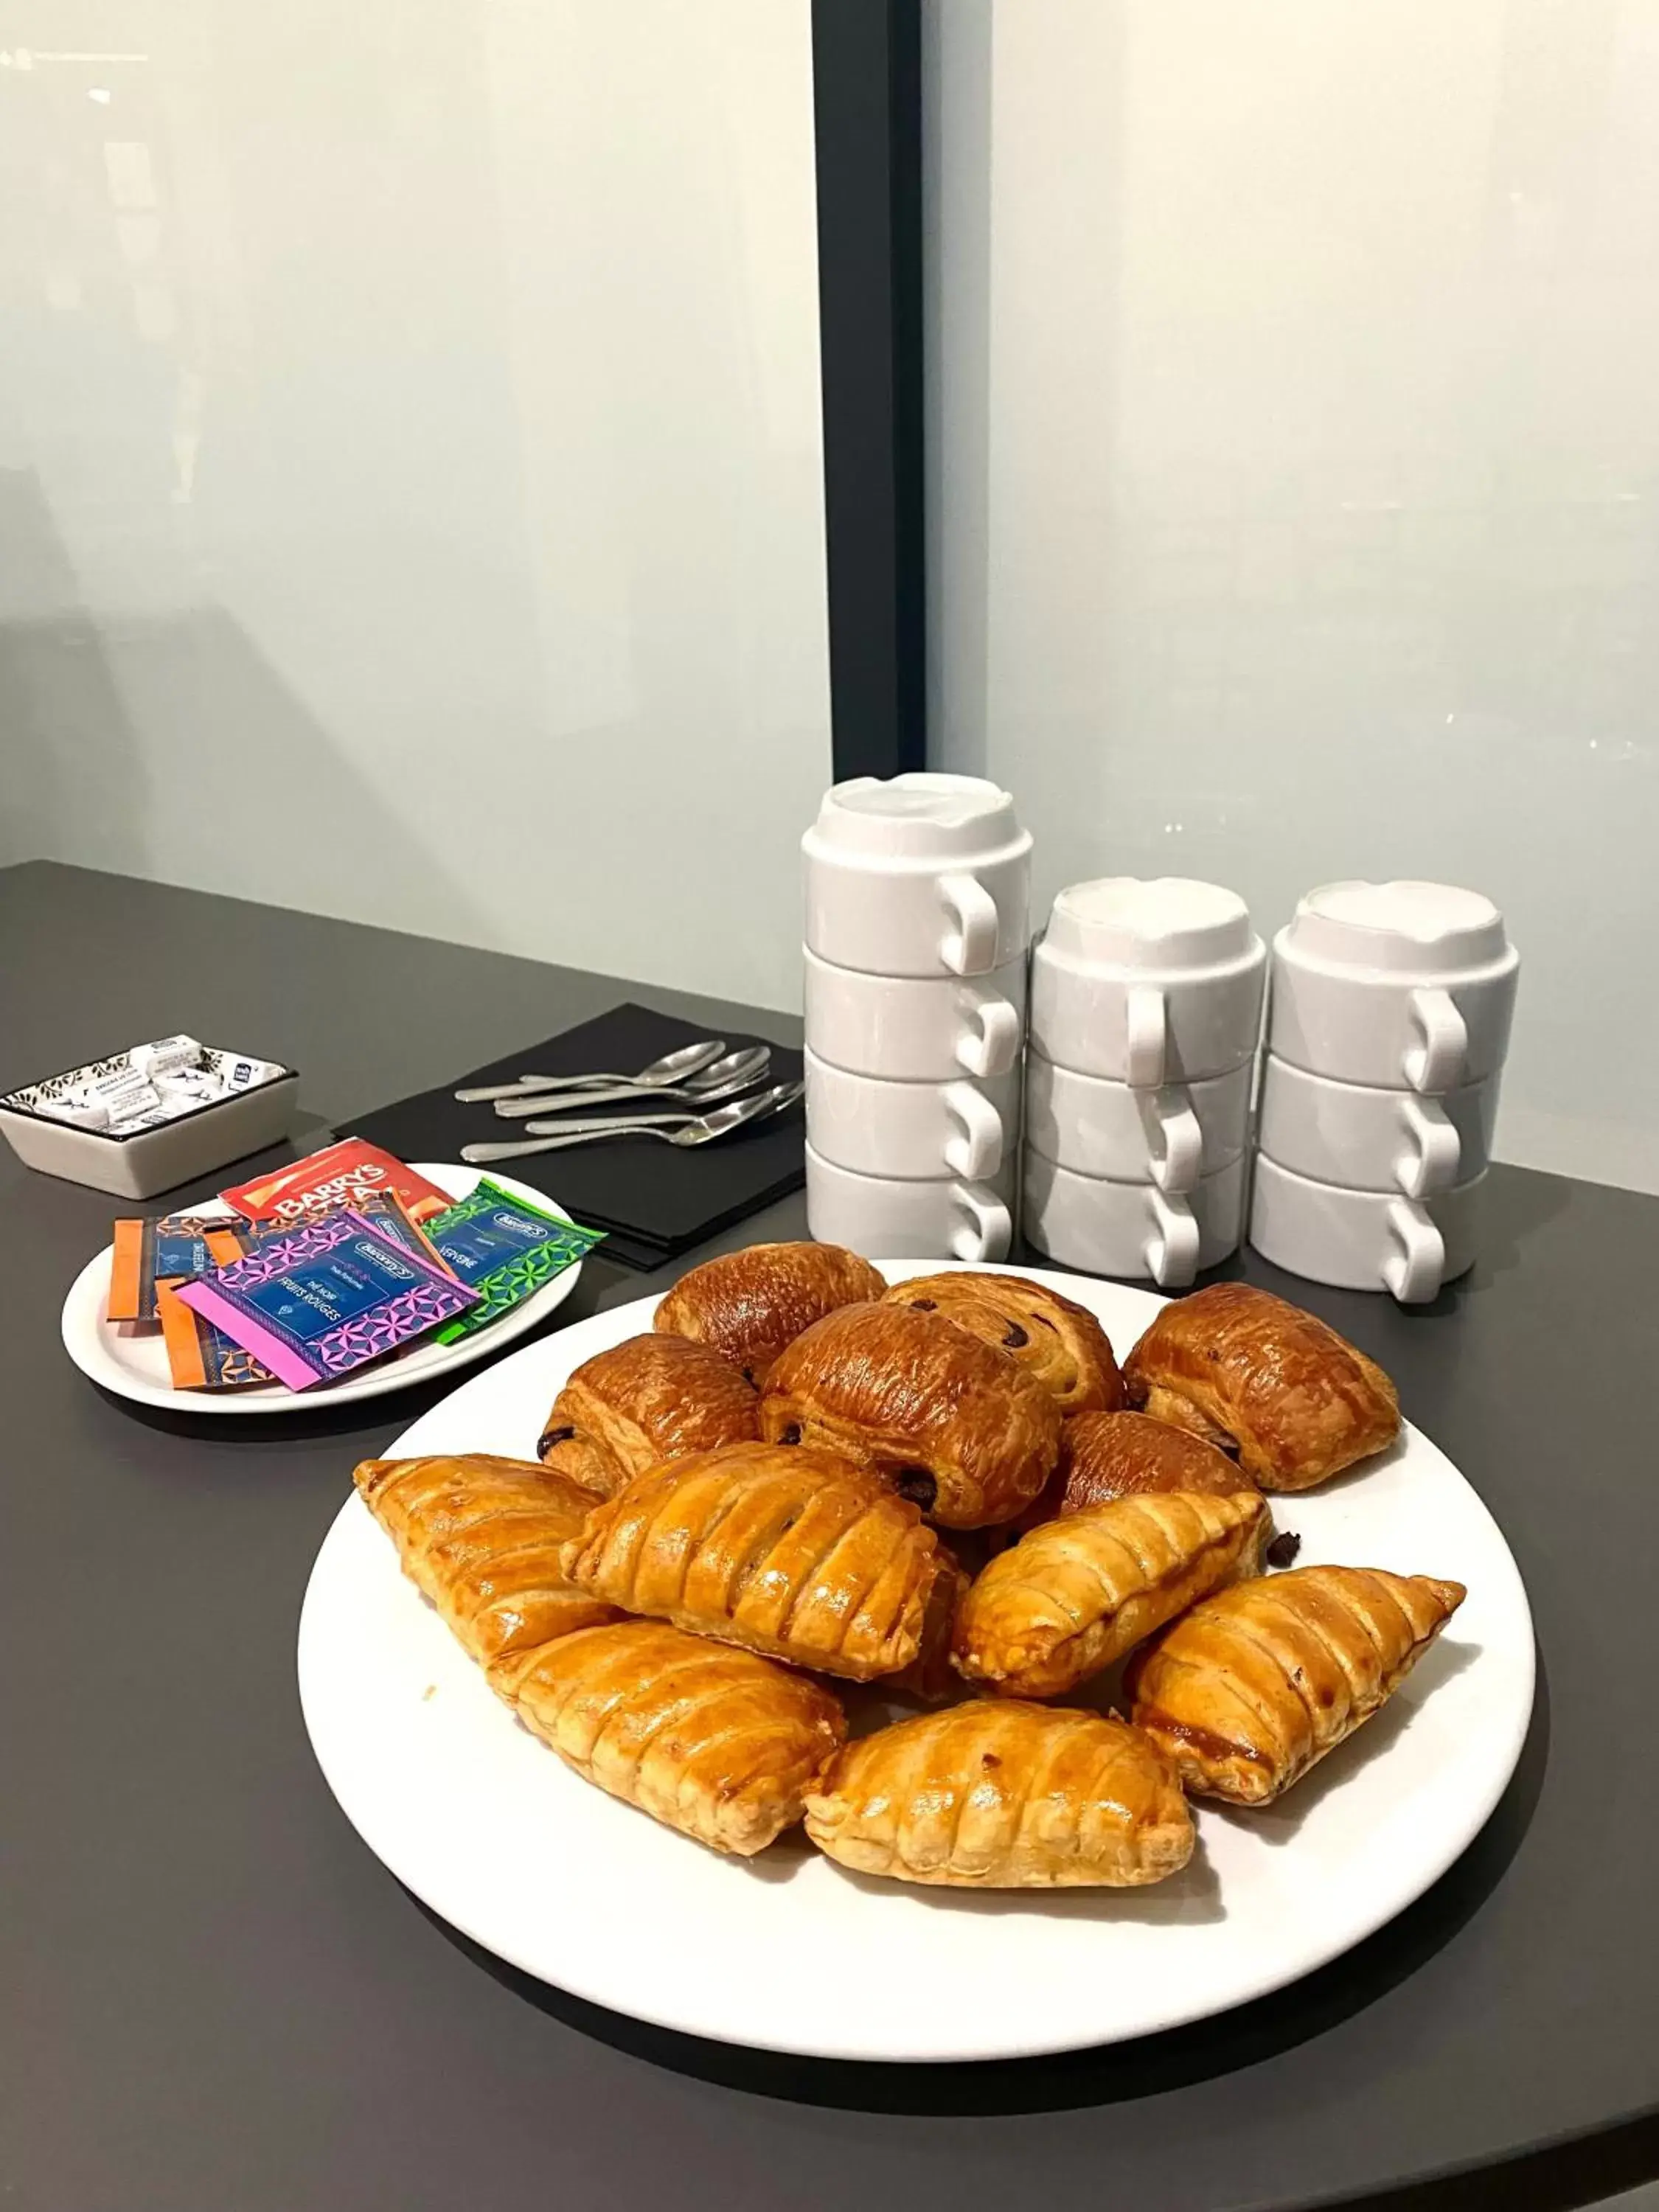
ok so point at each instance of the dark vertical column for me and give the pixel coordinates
(867, 77)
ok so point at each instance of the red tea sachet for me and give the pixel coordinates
(337, 1176)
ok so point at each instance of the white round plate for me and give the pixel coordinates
(131, 1360)
(789, 1952)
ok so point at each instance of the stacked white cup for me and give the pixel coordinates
(1146, 1015)
(918, 893)
(1389, 1022)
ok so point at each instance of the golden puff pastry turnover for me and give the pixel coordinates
(1250, 1688)
(1076, 1594)
(1241, 1367)
(747, 1305)
(1000, 1795)
(1060, 1343)
(950, 1422)
(481, 1537)
(650, 1399)
(716, 1742)
(791, 1552)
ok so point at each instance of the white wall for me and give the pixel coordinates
(410, 475)
(1294, 472)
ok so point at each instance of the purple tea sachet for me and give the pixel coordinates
(334, 1295)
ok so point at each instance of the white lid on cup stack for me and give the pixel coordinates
(1163, 924)
(1416, 926)
(917, 918)
(916, 819)
(1146, 1015)
(1389, 1023)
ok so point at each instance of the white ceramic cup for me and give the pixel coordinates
(1394, 983)
(919, 1029)
(1364, 1240)
(910, 1129)
(885, 1218)
(1171, 1136)
(1147, 982)
(918, 875)
(1367, 1139)
(1132, 1229)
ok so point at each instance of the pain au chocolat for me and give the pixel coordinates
(997, 1794)
(481, 1537)
(1295, 1401)
(785, 1550)
(1054, 1339)
(747, 1305)
(950, 1422)
(651, 1399)
(716, 1742)
(1258, 1683)
(1106, 1456)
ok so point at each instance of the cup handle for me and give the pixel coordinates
(1171, 1254)
(1439, 1062)
(972, 951)
(1144, 1013)
(976, 1153)
(1430, 1161)
(988, 1231)
(1178, 1141)
(992, 1047)
(1414, 1272)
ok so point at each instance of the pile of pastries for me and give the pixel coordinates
(802, 1480)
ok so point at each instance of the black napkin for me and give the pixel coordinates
(653, 1199)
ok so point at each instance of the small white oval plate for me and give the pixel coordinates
(131, 1360)
(789, 1952)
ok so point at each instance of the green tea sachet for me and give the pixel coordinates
(505, 1249)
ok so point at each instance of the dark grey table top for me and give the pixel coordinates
(216, 1997)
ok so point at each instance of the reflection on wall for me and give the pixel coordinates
(1295, 423)
(410, 477)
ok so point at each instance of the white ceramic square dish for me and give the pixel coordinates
(144, 1161)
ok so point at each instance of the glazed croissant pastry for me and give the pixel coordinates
(715, 1742)
(1253, 1374)
(749, 1304)
(1077, 1594)
(481, 1537)
(1062, 1344)
(948, 1421)
(999, 1795)
(651, 1399)
(1248, 1690)
(793, 1552)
